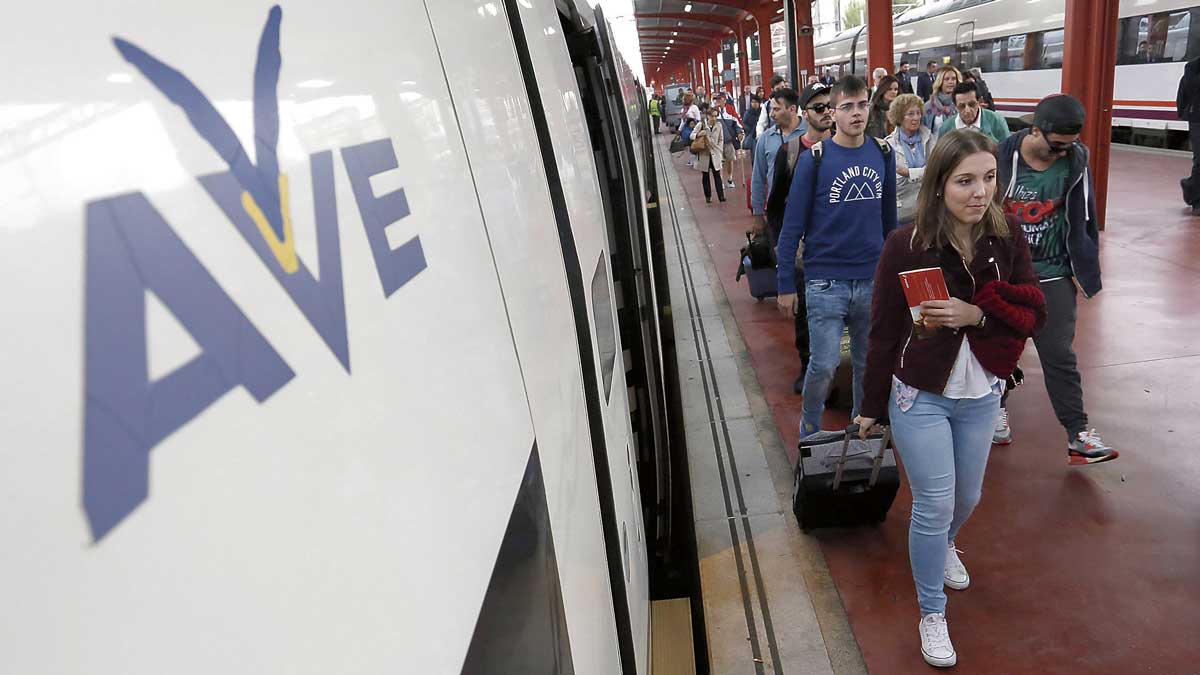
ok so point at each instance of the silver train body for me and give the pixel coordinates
(332, 340)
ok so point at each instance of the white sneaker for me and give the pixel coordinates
(935, 641)
(731, 184)
(956, 572)
(1002, 434)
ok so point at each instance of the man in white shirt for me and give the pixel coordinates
(765, 120)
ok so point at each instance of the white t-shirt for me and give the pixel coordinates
(968, 378)
(692, 112)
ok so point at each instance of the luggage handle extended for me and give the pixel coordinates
(877, 464)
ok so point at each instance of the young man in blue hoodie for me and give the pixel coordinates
(842, 206)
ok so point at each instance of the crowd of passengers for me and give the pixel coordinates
(855, 184)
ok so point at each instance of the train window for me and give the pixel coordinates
(985, 55)
(606, 335)
(1052, 49)
(1014, 55)
(1154, 38)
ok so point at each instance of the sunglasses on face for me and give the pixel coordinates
(819, 108)
(1060, 148)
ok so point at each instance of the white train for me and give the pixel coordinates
(1018, 44)
(331, 341)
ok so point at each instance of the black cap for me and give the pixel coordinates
(811, 91)
(1059, 114)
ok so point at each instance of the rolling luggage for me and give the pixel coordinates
(843, 481)
(758, 266)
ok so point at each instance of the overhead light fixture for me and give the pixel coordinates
(670, 42)
(687, 7)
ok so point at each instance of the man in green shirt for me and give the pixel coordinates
(972, 115)
(1048, 189)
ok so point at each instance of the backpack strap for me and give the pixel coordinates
(884, 146)
(818, 151)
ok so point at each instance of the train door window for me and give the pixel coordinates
(1052, 49)
(1014, 54)
(964, 41)
(606, 336)
(986, 54)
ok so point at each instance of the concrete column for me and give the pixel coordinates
(1089, 66)
(879, 37)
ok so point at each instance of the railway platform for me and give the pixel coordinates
(1074, 569)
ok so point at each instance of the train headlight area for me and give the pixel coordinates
(389, 338)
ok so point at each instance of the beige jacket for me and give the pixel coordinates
(716, 142)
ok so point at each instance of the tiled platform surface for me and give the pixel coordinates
(1074, 570)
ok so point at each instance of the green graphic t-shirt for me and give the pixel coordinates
(1037, 202)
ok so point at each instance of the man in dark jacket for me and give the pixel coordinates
(925, 81)
(904, 74)
(1187, 102)
(1048, 189)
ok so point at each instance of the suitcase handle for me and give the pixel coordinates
(851, 431)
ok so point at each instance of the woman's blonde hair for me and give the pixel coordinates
(900, 106)
(941, 75)
(934, 221)
(689, 99)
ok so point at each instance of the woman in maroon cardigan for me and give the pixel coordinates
(939, 378)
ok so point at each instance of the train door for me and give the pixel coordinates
(330, 447)
(549, 225)
(964, 45)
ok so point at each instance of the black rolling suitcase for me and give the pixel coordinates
(843, 481)
(756, 263)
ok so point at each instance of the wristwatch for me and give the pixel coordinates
(982, 320)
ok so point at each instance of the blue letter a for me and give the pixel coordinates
(130, 249)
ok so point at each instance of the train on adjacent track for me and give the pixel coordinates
(334, 341)
(1018, 46)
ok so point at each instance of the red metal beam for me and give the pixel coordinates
(683, 30)
(720, 20)
(1089, 66)
(879, 37)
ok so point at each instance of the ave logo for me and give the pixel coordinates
(131, 249)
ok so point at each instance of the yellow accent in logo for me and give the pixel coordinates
(285, 251)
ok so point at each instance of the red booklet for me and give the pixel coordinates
(920, 286)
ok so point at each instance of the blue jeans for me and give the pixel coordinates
(832, 305)
(944, 444)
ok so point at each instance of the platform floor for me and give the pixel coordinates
(1074, 570)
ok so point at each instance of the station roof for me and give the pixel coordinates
(672, 31)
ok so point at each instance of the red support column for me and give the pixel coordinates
(766, 65)
(879, 37)
(806, 55)
(743, 57)
(1089, 66)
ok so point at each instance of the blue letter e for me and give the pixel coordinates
(130, 249)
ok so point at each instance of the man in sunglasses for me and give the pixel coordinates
(795, 131)
(842, 204)
(1048, 188)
